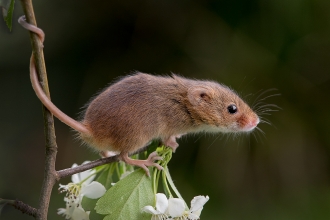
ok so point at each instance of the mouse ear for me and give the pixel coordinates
(199, 94)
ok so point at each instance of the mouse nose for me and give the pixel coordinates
(255, 122)
(252, 124)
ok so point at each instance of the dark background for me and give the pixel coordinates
(249, 45)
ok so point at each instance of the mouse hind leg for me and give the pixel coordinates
(171, 141)
(144, 164)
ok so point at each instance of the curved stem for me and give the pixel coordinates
(51, 146)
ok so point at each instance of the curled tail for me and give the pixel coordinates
(40, 93)
(50, 106)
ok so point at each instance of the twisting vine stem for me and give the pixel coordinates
(51, 146)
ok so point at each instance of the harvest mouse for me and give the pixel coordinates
(141, 107)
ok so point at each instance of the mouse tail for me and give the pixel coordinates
(50, 106)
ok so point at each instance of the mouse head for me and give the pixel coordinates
(221, 109)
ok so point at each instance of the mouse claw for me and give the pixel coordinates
(144, 164)
(154, 156)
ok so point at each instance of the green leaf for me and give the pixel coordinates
(7, 11)
(127, 197)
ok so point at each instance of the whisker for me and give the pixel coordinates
(199, 137)
(266, 111)
(262, 105)
(259, 106)
(261, 131)
(267, 97)
(266, 121)
(262, 93)
(250, 94)
(238, 142)
(214, 141)
(253, 133)
(227, 137)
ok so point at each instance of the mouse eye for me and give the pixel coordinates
(232, 109)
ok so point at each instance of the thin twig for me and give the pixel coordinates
(70, 171)
(25, 209)
(51, 146)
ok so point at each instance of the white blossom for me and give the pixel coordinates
(82, 185)
(73, 210)
(161, 207)
(175, 208)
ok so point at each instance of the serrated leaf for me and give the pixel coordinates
(127, 197)
(7, 11)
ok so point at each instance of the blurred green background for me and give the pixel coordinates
(249, 45)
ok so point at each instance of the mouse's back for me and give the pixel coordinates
(129, 111)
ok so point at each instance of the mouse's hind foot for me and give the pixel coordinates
(144, 164)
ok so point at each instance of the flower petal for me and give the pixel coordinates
(87, 173)
(67, 212)
(75, 177)
(195, 215)
(176, 207)
(198, 202)
(93, 190)
(61, 211)
(161, 202)
(78, 177)
(149, 209)
(79, 214)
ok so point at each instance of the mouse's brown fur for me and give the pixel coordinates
(142, 107)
